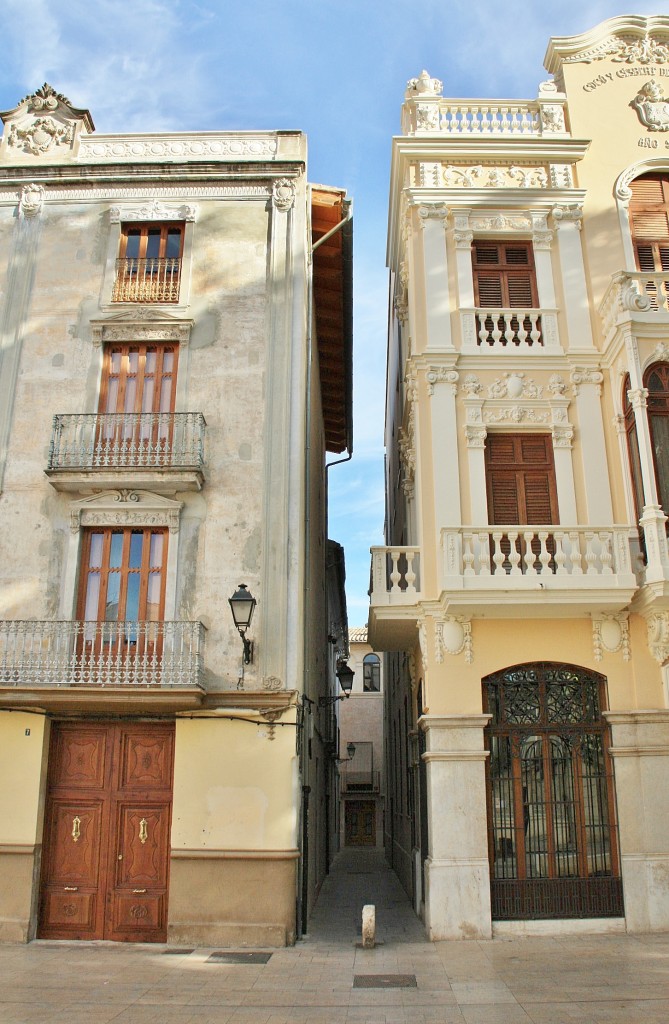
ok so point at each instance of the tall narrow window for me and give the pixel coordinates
(649, 218)
(520, 481)
(505, 280)
(137, 400)
(371, 673)
(633, 451)
(149, 265)
(656, 380)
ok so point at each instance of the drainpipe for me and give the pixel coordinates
(303, 871)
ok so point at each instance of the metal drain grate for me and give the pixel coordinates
(238, 958)
(384, 981)
(177, 951)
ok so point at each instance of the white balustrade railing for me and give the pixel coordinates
(100, 654)
(458, 118)
(159, 440)
(395, 575)
(635, 292)
(517, 328)
(504, 552)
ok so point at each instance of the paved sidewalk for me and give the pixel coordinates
(571, 980)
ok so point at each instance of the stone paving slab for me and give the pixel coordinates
(584, 979)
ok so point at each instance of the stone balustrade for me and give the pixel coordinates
(395, 575)
(633, 293)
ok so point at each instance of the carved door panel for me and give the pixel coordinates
(107, 828)
(360, 823)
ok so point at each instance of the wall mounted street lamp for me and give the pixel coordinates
(345, 676)
(242, 605)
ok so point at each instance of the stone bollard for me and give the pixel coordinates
(368, 926)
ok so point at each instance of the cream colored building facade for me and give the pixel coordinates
(172, 374)
(525, 586)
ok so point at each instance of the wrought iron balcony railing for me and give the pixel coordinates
(127, 441)
(101, 654)
(147, 280)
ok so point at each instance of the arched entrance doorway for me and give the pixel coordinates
(551, 810)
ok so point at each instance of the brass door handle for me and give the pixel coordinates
(71, 888)
(137, 891)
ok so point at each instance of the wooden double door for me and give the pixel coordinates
(105, 861)
(360, 823)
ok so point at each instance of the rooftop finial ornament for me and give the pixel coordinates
(424, 85)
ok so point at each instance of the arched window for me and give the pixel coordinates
(551, 816)
(649, 218)
(633, 451)
(371, 673)
(656, 380)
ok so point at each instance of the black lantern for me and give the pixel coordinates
(242, 605)
(350, 750)
(345, 676)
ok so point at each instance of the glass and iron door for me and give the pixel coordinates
(137, 398)
(122, 593)
(551, 818)
(107, 832)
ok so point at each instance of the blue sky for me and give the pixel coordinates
(334, 70)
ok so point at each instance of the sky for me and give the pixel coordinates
(335, 70)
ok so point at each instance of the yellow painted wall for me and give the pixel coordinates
(233, 787)
(22, 762)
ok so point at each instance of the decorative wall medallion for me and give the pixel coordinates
(453, 636)
(69, 910)
(514, 385)
(427, 117)
(610, 634)
(283, 193)
(32, 200)
(552, 117)
(652, 107)
(44, 134)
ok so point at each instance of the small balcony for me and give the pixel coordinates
(147, 280)
(394, 597)
(636, 298)
(360, 781)
(531, 331)
(161, 451)
(84, 665)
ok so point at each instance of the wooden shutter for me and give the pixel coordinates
(520, 479)
(504, 275)
(649, 218)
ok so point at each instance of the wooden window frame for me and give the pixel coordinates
(124, 570)
(371, 662)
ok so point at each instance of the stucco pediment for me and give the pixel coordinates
(125, 508)
(142, 323)
(632, 39)
(44, 124)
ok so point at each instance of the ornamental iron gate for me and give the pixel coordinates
(551, 813)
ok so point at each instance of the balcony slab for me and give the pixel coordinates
(160, 481)
(108, 700)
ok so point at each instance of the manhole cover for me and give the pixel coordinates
(177, 951)
(384, 981)
(238, 958)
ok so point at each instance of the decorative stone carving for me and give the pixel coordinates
(427, 117)
(661, 353)
(501, 222)
(516, 414)
(410, 386)
(542, 239)
(283, 193)
(562, 436)
(429, 174)
(610, 634)
(31, 201)
(134, 147)
(475, 436)
(658, 636)
(623, 50)
(552, 117)
(154, 211)
(561, 176)
(514, 385)
(41, 136)
(439, 374)
(652, 107)
(402, 311)
(463, 239)
(407, 452)
(424, 85)
(272, 683)
(586, 375)
(433, 211)
(125, 508)
(572, 214)
(556, 385)
(479, 176)
(142, 324)
(472, 385)
(453, 635)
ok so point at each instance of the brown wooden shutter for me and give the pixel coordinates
(649, 218)
(504, 275)
(520, 479)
